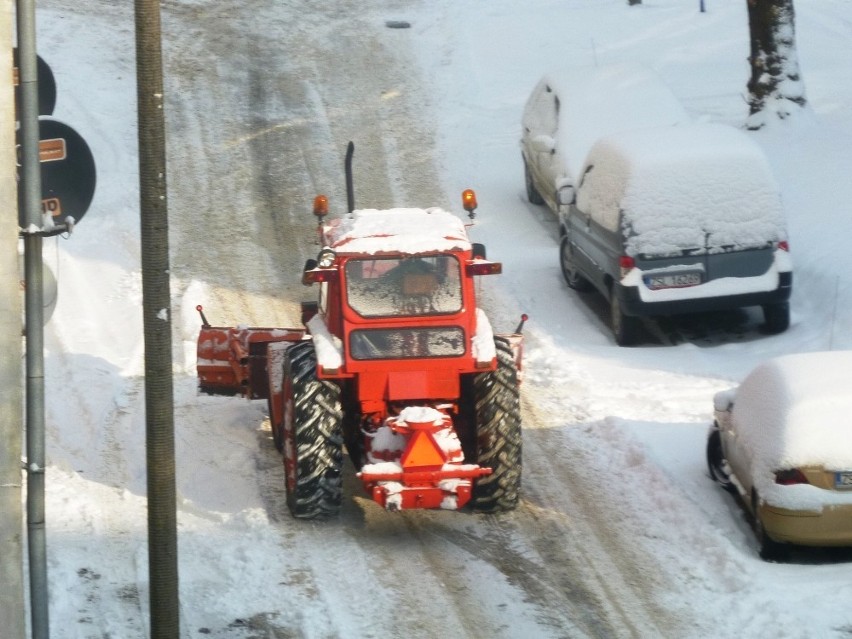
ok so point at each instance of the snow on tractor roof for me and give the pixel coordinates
(401, 230)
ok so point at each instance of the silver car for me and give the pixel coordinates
(569, 110)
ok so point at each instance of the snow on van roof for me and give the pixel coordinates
(796, 411)
(401, 230)
(598, 101)
(684, 186)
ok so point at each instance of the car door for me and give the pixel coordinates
(595, 248)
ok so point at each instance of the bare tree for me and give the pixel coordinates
(775, 89)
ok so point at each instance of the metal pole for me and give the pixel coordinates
(156, 309)
(12, 615)
(30, 184)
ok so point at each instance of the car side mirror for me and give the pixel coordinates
(543, 144)
(566, 195)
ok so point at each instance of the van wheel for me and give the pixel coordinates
(776, 317)
(624, 328)
(532, 193)
(569, 270)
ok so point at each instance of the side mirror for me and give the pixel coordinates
(543, 144)
(566, 195)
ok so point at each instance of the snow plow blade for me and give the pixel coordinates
(232, 360)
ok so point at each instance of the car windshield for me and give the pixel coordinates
(393, 286)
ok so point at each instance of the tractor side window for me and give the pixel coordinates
(393, 287)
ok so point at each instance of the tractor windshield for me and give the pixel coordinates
(394, 286)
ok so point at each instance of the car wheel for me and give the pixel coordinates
(625, 329)
(532, 193)
(716, 462)
(776, 317)
(768, 548)
(569, 271)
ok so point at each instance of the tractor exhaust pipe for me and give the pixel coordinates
(350, 187)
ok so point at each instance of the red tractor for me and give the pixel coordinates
(395, 362)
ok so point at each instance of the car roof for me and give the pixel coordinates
(597, 101)
(400, 230)
(795, 410)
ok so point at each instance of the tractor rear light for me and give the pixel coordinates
(790, 477)
(626, 264)
(481, 267)
(320, 206)
(319, 275)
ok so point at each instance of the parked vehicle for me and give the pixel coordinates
(677, 220)
(782, 440)
(569, 110)
(396, 361)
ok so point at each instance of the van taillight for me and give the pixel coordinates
(626, 264)
(790, 477)
(784, 246)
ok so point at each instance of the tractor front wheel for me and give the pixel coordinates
(498, 434)
(313, 437)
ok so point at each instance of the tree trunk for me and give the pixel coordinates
(775, 89)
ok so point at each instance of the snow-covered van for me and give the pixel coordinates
(677, 220)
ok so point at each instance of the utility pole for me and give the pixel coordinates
(12, 620)
(157, 325)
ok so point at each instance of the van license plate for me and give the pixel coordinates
(672, 280)
(843, 480)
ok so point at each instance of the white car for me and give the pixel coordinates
(783, 441)
(569, 110)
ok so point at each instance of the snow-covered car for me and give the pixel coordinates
(783, 441)
(568, 110)
(674, 220)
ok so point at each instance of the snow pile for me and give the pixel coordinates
(683, 187)
(482, 344)
(328, 347)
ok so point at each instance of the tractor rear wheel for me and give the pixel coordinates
(313, 437)
(498, 434)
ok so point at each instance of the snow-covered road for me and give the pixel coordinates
(619, 534)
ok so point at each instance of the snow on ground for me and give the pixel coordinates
(636, 417)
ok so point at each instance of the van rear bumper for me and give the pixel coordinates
(633, 305)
